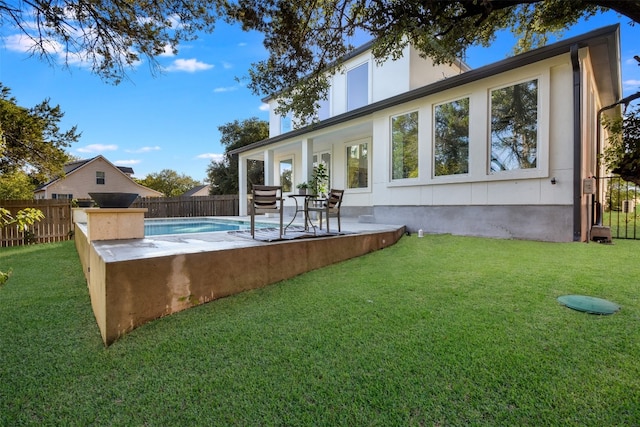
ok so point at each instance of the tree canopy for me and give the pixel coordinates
(223, 174)
(30, 138)
(110, 35)
(169, 182)
(16, 185)
(304, 39)
(622, 154)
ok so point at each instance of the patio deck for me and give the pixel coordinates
(134, 281)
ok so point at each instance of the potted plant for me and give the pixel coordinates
(320, 180)
(302, 188)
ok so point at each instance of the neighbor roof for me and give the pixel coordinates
(75, 165)
(194, 190)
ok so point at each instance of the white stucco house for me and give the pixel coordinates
(95, 175)
(499, 151)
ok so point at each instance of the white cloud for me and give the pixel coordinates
(97, 148)
(242, 44)
(144, 149)
(188, 65)
(167, 51)
(227, 66)
(126, 162)
(22, 43)
(631, 83)
(211, 156)
(225, 89)
(264, 107)
(631, 61)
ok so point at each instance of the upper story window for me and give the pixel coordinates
(358, 87)
(285, 123)
(100, 178)
(514, 127)
(451, 138)
(404, 146)
(323, 111)
(358, 165)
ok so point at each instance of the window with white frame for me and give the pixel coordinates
(324, 111)
(358, 165)
(285, 123)
(514, 127)
(286, 175)
(358, 87)
(451, 138)
(100, 178)
(404, 146)
(325, 158)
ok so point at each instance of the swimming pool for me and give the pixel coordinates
(156, 227)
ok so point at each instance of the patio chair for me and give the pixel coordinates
(265, 199)
(329, 207)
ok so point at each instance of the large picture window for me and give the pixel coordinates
(451, 138)
(358, 87)
(514, 127)
(358, 165)
(404, 146)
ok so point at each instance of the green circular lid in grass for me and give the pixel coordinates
(589, 304)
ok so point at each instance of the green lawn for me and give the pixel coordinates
(441, 330)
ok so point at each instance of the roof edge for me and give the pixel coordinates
(507, 64)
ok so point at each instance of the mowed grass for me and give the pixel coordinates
(440, 330)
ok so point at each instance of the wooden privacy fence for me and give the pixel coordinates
(170, 207)
(57, 223)
(55, 227)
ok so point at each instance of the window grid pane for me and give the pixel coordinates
(358, 87)
(451, 139)
(357, 166)
(286, 175)
(404, 146)
(514, 127)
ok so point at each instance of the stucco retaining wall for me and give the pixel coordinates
(128, 293)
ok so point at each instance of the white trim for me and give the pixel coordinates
(351, 143)
(542, 144)
(459, 177)
(390, 148)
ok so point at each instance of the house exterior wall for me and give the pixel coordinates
(82, 181)
(539, 202)
(386, 80)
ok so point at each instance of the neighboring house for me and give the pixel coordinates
(96, 175)
(200, 190)
(498, 151)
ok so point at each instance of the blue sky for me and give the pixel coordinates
(170, 121)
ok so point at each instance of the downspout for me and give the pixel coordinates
(577, 147)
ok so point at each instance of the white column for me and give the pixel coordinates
(307, 160)
(269, 167)
(242, 185)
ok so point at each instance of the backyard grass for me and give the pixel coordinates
(440, 330)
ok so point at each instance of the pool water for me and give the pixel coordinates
(156, 227)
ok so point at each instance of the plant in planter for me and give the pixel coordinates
(320, 180)
(302, 187)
